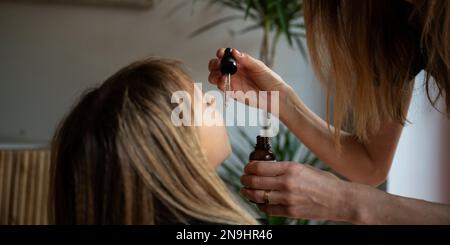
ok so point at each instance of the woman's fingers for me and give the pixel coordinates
(270, 169)
(251, 64)
(271, 175)
(217, 80)
(214, 65)
(214, 78)
(262, 183)
(294, 190)
(220, 52)
(274, 197)
(244, 60)
(252, 74)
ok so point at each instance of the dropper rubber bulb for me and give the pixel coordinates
(228, 64)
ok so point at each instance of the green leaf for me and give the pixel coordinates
(272, 220)
(301, 47)
(214, 24)
(247, 10)
(302, 222)
(248, 29)
(283, 21)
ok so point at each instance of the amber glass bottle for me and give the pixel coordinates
(262, 150)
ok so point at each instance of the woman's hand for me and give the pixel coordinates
(296, 191)
(252, 75)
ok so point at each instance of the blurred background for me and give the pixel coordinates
(51, 51)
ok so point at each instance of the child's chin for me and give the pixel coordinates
(225, 157)
(226, 148)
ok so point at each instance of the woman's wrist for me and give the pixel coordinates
(360, 203)
(353, 205)
(289, 103)
(346, 207)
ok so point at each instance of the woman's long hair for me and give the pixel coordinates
(367, 53)
(118, 159)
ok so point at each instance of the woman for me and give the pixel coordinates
(367, 53)
(118, 158)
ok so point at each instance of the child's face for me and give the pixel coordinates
(214, 139)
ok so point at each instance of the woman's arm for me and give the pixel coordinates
(301, 191)
(363, 163)
(359, 162)
(373, 206)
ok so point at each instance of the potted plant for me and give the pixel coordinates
(276, 18)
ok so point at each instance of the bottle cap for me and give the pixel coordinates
(262, 140)
(228, 64)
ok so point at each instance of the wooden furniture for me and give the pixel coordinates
(24, 185)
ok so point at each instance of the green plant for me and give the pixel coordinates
(274, 17)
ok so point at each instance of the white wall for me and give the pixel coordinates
(421, 167)
(49, 54)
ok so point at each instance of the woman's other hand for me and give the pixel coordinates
(252, 75)
(297, 191)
